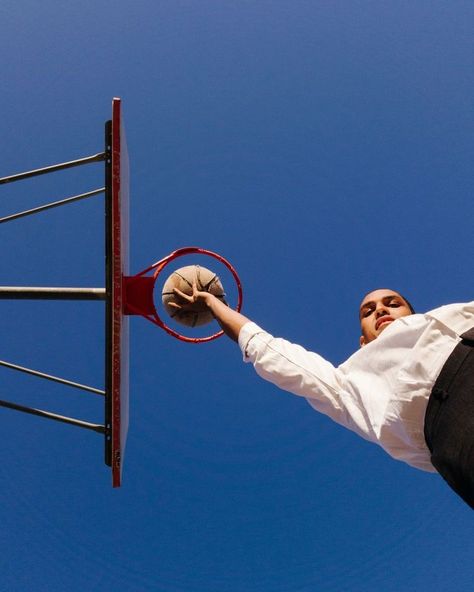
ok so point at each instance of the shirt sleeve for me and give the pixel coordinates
(294, 369)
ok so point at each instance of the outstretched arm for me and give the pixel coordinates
(287, 365)
(230, 320)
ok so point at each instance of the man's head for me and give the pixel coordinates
(378, 309)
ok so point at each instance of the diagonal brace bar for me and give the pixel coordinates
(55, 167)
(48, 415)
(77, 385)
(51, 205)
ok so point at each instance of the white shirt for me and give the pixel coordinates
(382, 390)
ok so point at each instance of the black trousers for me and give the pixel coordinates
(449, 420)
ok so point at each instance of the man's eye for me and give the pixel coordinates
(395, 304)
(367, 312)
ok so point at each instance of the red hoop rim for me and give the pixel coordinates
(160, 265)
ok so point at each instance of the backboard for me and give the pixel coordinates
(117, 324)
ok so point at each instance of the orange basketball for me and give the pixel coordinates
(197, 314)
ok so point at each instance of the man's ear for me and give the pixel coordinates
(362, 341)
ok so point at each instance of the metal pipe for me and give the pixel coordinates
(55, 167)
(77, 385)
(33, 293)
(53, 204)
(48, 415)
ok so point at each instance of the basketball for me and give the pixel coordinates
(197, 314)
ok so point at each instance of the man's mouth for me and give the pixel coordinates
(383, 320)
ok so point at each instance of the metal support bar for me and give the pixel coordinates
(48, 415)
(55, 167)
(77, 385)
(53, 204)
(30, 293)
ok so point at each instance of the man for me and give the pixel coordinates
(410, 388)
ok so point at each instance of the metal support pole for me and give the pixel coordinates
(77, 385)
(51, 205)
(55, 167)
(33, 293)
(48, 415)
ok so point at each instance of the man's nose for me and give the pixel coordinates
(380, 310)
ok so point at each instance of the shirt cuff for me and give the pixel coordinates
(247, 332)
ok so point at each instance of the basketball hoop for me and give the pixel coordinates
(139, 291)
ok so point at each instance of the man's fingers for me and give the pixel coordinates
(174, 305)
(184, 296)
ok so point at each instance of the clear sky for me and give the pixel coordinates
(324, 148)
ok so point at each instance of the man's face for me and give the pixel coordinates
(378, 310)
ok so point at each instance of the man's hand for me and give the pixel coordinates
(197, 301)
(230, 320)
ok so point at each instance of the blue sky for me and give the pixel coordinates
(324, 148)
